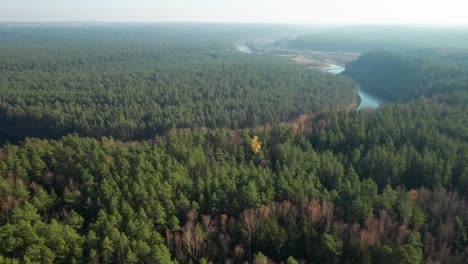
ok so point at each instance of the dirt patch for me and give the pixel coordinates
(308, 61)
(338, 58)
(298, 124)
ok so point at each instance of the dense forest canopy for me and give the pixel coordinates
(359, 187)
(136, 84)
(103, 177)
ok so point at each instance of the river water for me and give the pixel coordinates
(243, 48)
(367, 100)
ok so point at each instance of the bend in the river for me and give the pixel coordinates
(367, 100)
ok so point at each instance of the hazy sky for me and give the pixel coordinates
(289, 11)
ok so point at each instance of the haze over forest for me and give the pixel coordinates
(233, 131)
(242, 11)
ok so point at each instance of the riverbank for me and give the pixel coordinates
(366, 100)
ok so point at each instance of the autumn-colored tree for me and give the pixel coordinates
(255, 144)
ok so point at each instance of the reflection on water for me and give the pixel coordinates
(367, 100)
(334, 69)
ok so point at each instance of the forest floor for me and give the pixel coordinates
(298, 124)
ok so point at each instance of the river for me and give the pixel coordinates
(367, 100)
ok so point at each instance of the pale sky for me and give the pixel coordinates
(276, 11)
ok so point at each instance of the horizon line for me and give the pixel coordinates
(292, 23)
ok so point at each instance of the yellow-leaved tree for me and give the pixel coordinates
(256, 144)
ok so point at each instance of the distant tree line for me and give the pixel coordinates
(362, 39)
